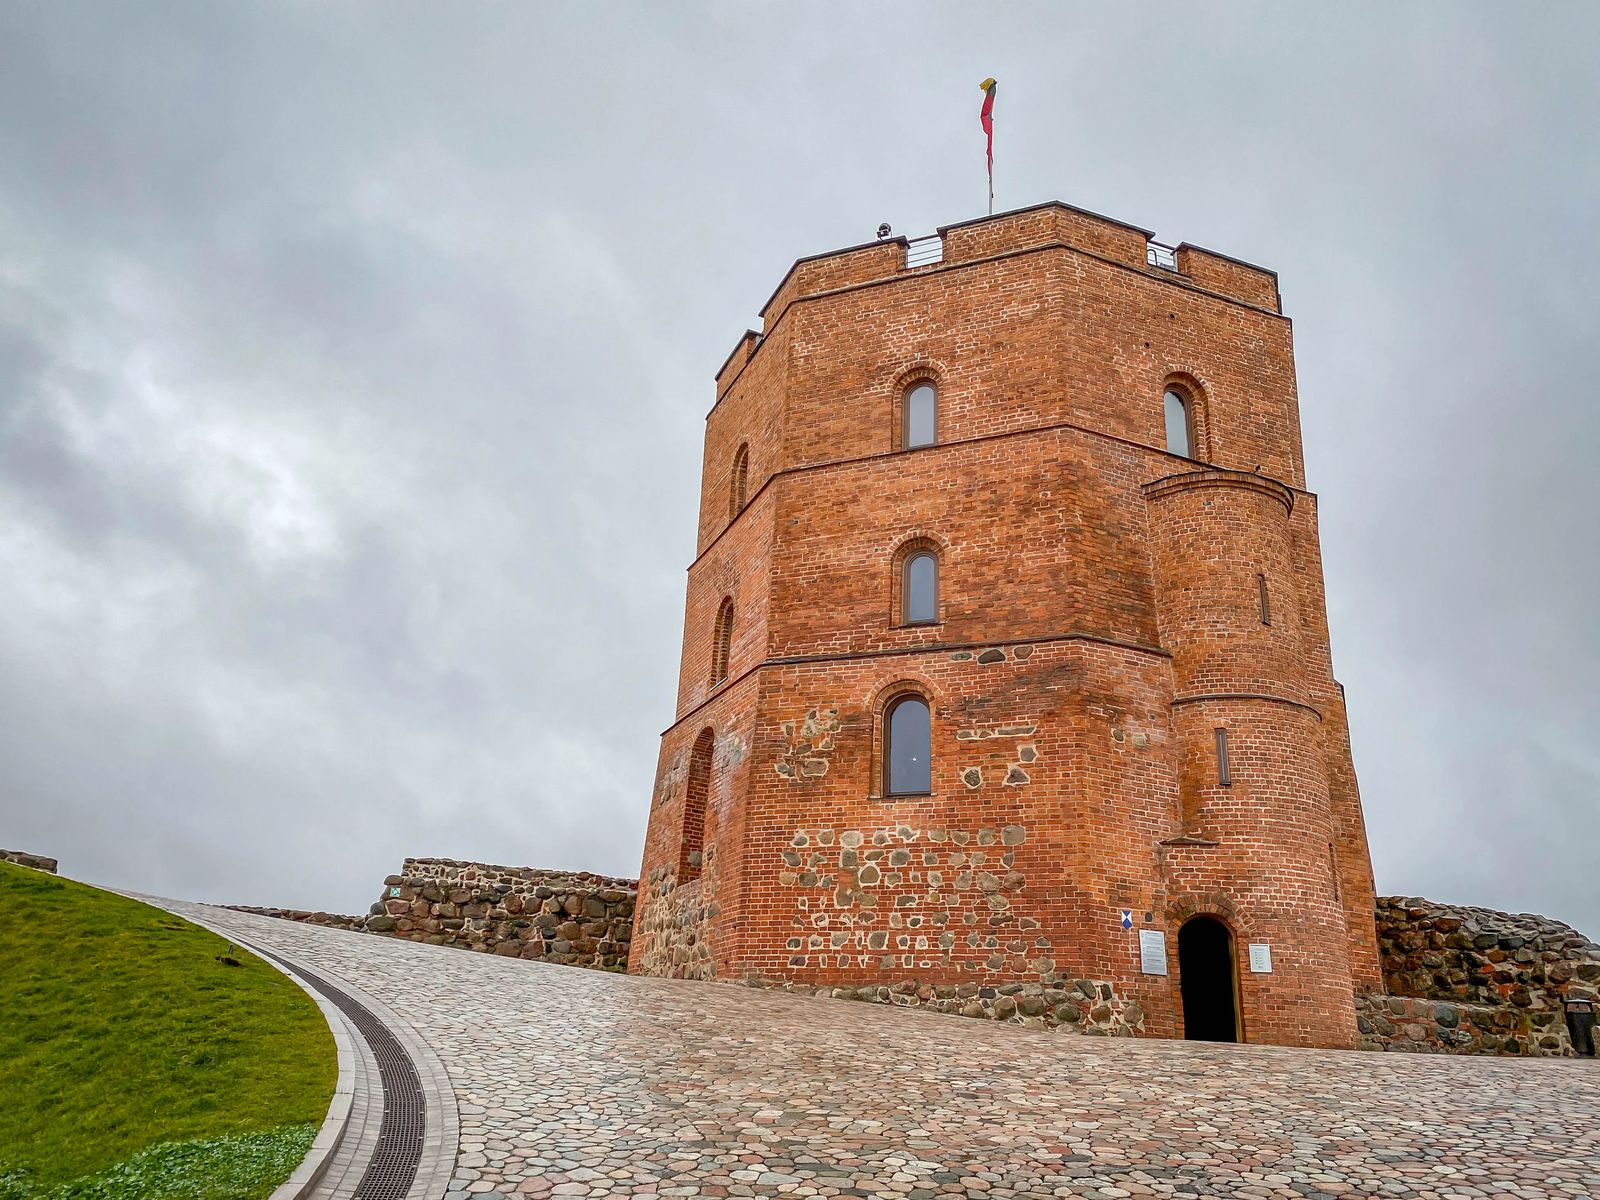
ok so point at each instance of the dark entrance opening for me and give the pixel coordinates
(1205, 976)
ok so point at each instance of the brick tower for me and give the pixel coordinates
(1005, 657)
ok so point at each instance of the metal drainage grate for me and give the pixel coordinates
(393, 1168)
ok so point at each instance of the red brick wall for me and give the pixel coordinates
(1099, 619)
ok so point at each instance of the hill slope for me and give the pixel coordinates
(121, 1029)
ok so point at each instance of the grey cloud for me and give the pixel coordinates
(353, 364)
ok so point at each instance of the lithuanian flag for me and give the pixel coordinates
(986, 119)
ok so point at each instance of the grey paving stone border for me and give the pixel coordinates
(357, 1087)
(441, 1134)
(304, 1178)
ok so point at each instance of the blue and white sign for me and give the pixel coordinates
(1127, 918)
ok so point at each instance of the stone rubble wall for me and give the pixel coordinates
(1080, 1005)
(569, 917)
(1466, 980)
(23, 859)
(331, 920)
(1436, 1027)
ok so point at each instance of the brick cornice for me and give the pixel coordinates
(1221, 477)
(787, 660)
(1057, 427)
(1197, 697)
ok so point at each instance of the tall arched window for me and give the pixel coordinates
(691, 846)
(907, 747)
(919, 588)
(738, 480)
(919, 415)
(1180, 423)
(722, 641)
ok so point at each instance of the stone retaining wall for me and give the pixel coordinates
(23, 859)
(332, 920)
(1466, 980)
(1435, 1027)
(570, 917)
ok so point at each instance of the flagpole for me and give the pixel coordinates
(986, 119)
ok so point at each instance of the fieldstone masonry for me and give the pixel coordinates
(675, 921)
(568, 917)
(574, 918)
(1079, 1005)
(305, 917)
(23, 859)
(1464, 980)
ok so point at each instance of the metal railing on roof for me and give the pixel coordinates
(924, 251)
(1159, 255)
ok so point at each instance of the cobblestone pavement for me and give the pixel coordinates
(577, 1083)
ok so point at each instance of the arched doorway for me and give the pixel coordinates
(1206, 979)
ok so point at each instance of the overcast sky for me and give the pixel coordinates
(354, 360)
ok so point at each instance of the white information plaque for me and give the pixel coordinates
(1152, 952)
(1260, 958)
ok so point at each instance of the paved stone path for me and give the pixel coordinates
(577, 1083)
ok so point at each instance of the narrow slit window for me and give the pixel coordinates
(1266, 602)
(739, 482)
(919, 585)
(722, 642)
(1224, 775)
(907, 747)
(919, 420)
(1180, 425)
(1333, 866)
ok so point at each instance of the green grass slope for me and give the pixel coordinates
(134, 1063)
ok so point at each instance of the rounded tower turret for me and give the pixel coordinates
(1257, 849)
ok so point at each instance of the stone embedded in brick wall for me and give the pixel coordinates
(569, 917)
(1087, 1006)
(23, 859)
(675, 920)
(1466, 980)
(897, 897)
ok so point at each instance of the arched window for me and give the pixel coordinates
(919, 588)
(738, 480)
(722, 641)
(1180, 423)
(691, 846)
(919, 415)
(907, 747)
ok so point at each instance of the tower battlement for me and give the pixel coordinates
(1005, 652)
